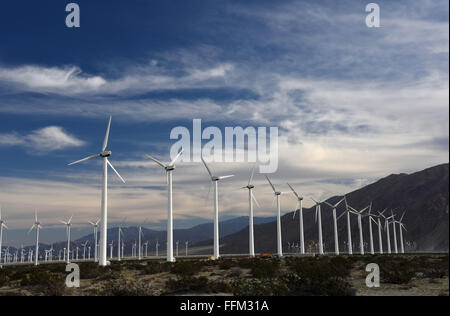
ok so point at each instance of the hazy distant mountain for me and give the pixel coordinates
(424, 195)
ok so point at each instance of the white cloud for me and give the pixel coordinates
(50, 138)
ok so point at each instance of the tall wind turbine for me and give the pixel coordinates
(380, 236)
(388, 233)
(215, 181)
(278, 199)
(401, 228)
(68, 225)
(251, 199)
(104, 219)
(141, 234)
(394, 228)
(38, 227)
(2, 225)
(336, 235)
(318, 218)
(299, 208)
(361, 236)
(371, 219)
(95, 226)
(170, 167)
(349, 227)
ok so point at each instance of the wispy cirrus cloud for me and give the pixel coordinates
(46, 139)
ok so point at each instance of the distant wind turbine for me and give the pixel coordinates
(38, 227)
(361, 236)
(95, 226)
(2, 226)
(251, 199)
(104, 219)
(318, 219)
(299, 208)
(68, 225)
(401, 228)
(394, 228)
(336, 235)
(278, 199)
(215, 181)
(170, 167)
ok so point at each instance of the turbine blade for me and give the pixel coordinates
(315, 217)
(84, 159)
(4, 225)
(271, 184)
(315, 201)
(35, 216)
(32, 227)
(172, 163)
(207, 168)
(97, 222)
(114, 169)
(225, 177)
(339, 217)
(157, 161)
(293, 191)
(329, 204)
(70, 220)
(63, 222)
(256, 201)
(336, 205)
(251, 176)
(105, 142)
(403, 215)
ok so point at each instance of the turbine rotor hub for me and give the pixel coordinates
(170, 168)
(250, 186)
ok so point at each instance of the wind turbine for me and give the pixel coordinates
(177, 243)
(371, 219)
(187, 245)
(38, 227)
(401, 227)
(104, 219)
(349, 226)
(120, 234)
(251, 198)
(336, 235)
(361, 236)
(395, 232)
(170, 167)
(2, 225)
(68, 224)
(215, 181)
(318, 219)
(299, 208)
(95, 226)
(84, 249)
(111, 247)
(388, 234)
(278, 199)
(380, 236)
(157, 248)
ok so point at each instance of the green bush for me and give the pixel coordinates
(265, 268)
(123, 287)
(186, 268)
(265, 287)
(196, 284)
(155, 268)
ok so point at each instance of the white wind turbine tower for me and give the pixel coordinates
(336, 235)
(388, 234)
(215, 181)
(278, 199)
(95, 226)
(157, 248)
(361, 236)
(178, 243)
(68, 225)
(2, 226)
(169, 169)
(349, 227)
(299, 207)
(38, 227)
(318, 219)
(111, 247)
(104, 219)
(251, 198)
(187, 245)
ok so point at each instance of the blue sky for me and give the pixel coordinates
(353, 104)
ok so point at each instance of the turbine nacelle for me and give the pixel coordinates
(106, 154)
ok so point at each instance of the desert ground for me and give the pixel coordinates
(400, 275)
